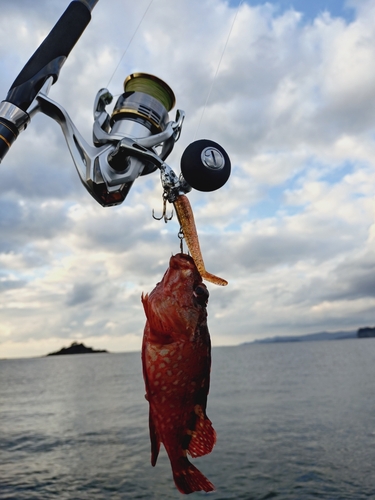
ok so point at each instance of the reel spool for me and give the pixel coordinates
(139, 113)
(146, 101)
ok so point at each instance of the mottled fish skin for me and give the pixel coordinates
(187, 223)
(176, 358)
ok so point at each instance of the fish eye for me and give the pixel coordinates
(201, 294)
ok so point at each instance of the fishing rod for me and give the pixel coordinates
(45, 63)
(134, 140)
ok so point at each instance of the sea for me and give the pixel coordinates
(293, 421)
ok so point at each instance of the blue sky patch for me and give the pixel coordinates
(272, 203)
(310, 9)
(337, 174)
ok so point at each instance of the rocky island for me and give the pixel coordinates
(76, 348)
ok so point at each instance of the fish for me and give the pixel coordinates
(176, 361)
(186, 219)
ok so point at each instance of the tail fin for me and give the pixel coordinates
(188, 478)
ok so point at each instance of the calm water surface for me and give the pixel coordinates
(294, 421)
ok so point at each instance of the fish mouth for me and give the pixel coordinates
(201, 294)
(181, 260)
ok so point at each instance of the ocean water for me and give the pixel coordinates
(294, 421)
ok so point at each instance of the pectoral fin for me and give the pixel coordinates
(203, 437)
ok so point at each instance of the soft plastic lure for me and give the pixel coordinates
(187, 223)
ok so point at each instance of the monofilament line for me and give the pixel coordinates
(130, 41)
(218, 67)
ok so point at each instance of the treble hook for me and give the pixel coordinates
(164, 214)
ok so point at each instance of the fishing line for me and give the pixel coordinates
(130, 41)
(218, 67)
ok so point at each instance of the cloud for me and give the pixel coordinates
(292, 230)
(82, 292)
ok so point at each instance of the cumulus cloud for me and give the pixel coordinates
(293, 229)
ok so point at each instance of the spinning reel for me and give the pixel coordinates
(134, 140)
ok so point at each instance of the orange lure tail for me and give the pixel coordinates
(186, 220)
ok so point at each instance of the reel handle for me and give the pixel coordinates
(46, 62)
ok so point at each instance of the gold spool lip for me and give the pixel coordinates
(134, 112)
(157, 80)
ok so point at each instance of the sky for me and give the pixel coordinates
(287, 88)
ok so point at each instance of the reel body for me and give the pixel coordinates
(133, 141)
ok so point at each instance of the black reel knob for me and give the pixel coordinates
(205, 165)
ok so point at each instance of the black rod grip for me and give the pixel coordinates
(48, 59)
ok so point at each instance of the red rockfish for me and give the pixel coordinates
(176, 357)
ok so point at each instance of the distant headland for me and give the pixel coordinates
(76, 348)
(361, 333)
